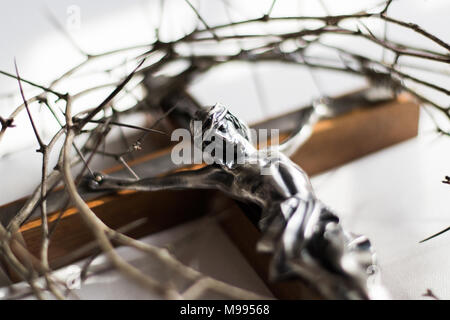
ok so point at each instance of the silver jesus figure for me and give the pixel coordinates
(305, 237)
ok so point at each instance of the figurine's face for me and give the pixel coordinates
(220, 131)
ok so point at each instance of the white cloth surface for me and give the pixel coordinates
(205, 248)
(396, 198)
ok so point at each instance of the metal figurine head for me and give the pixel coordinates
(222, 137)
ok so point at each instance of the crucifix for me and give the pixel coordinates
(303, 235)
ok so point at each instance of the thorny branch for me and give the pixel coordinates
(151, 60)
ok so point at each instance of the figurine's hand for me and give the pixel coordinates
(95, 181)
(101, 181)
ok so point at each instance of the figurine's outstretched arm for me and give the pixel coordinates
(307, 120)
(325, 107)
(208, 177)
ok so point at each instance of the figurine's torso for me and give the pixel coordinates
(267, 177)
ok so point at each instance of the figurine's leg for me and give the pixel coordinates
(204, 178)
(274, 220)
(271, 234)
(272, 224)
